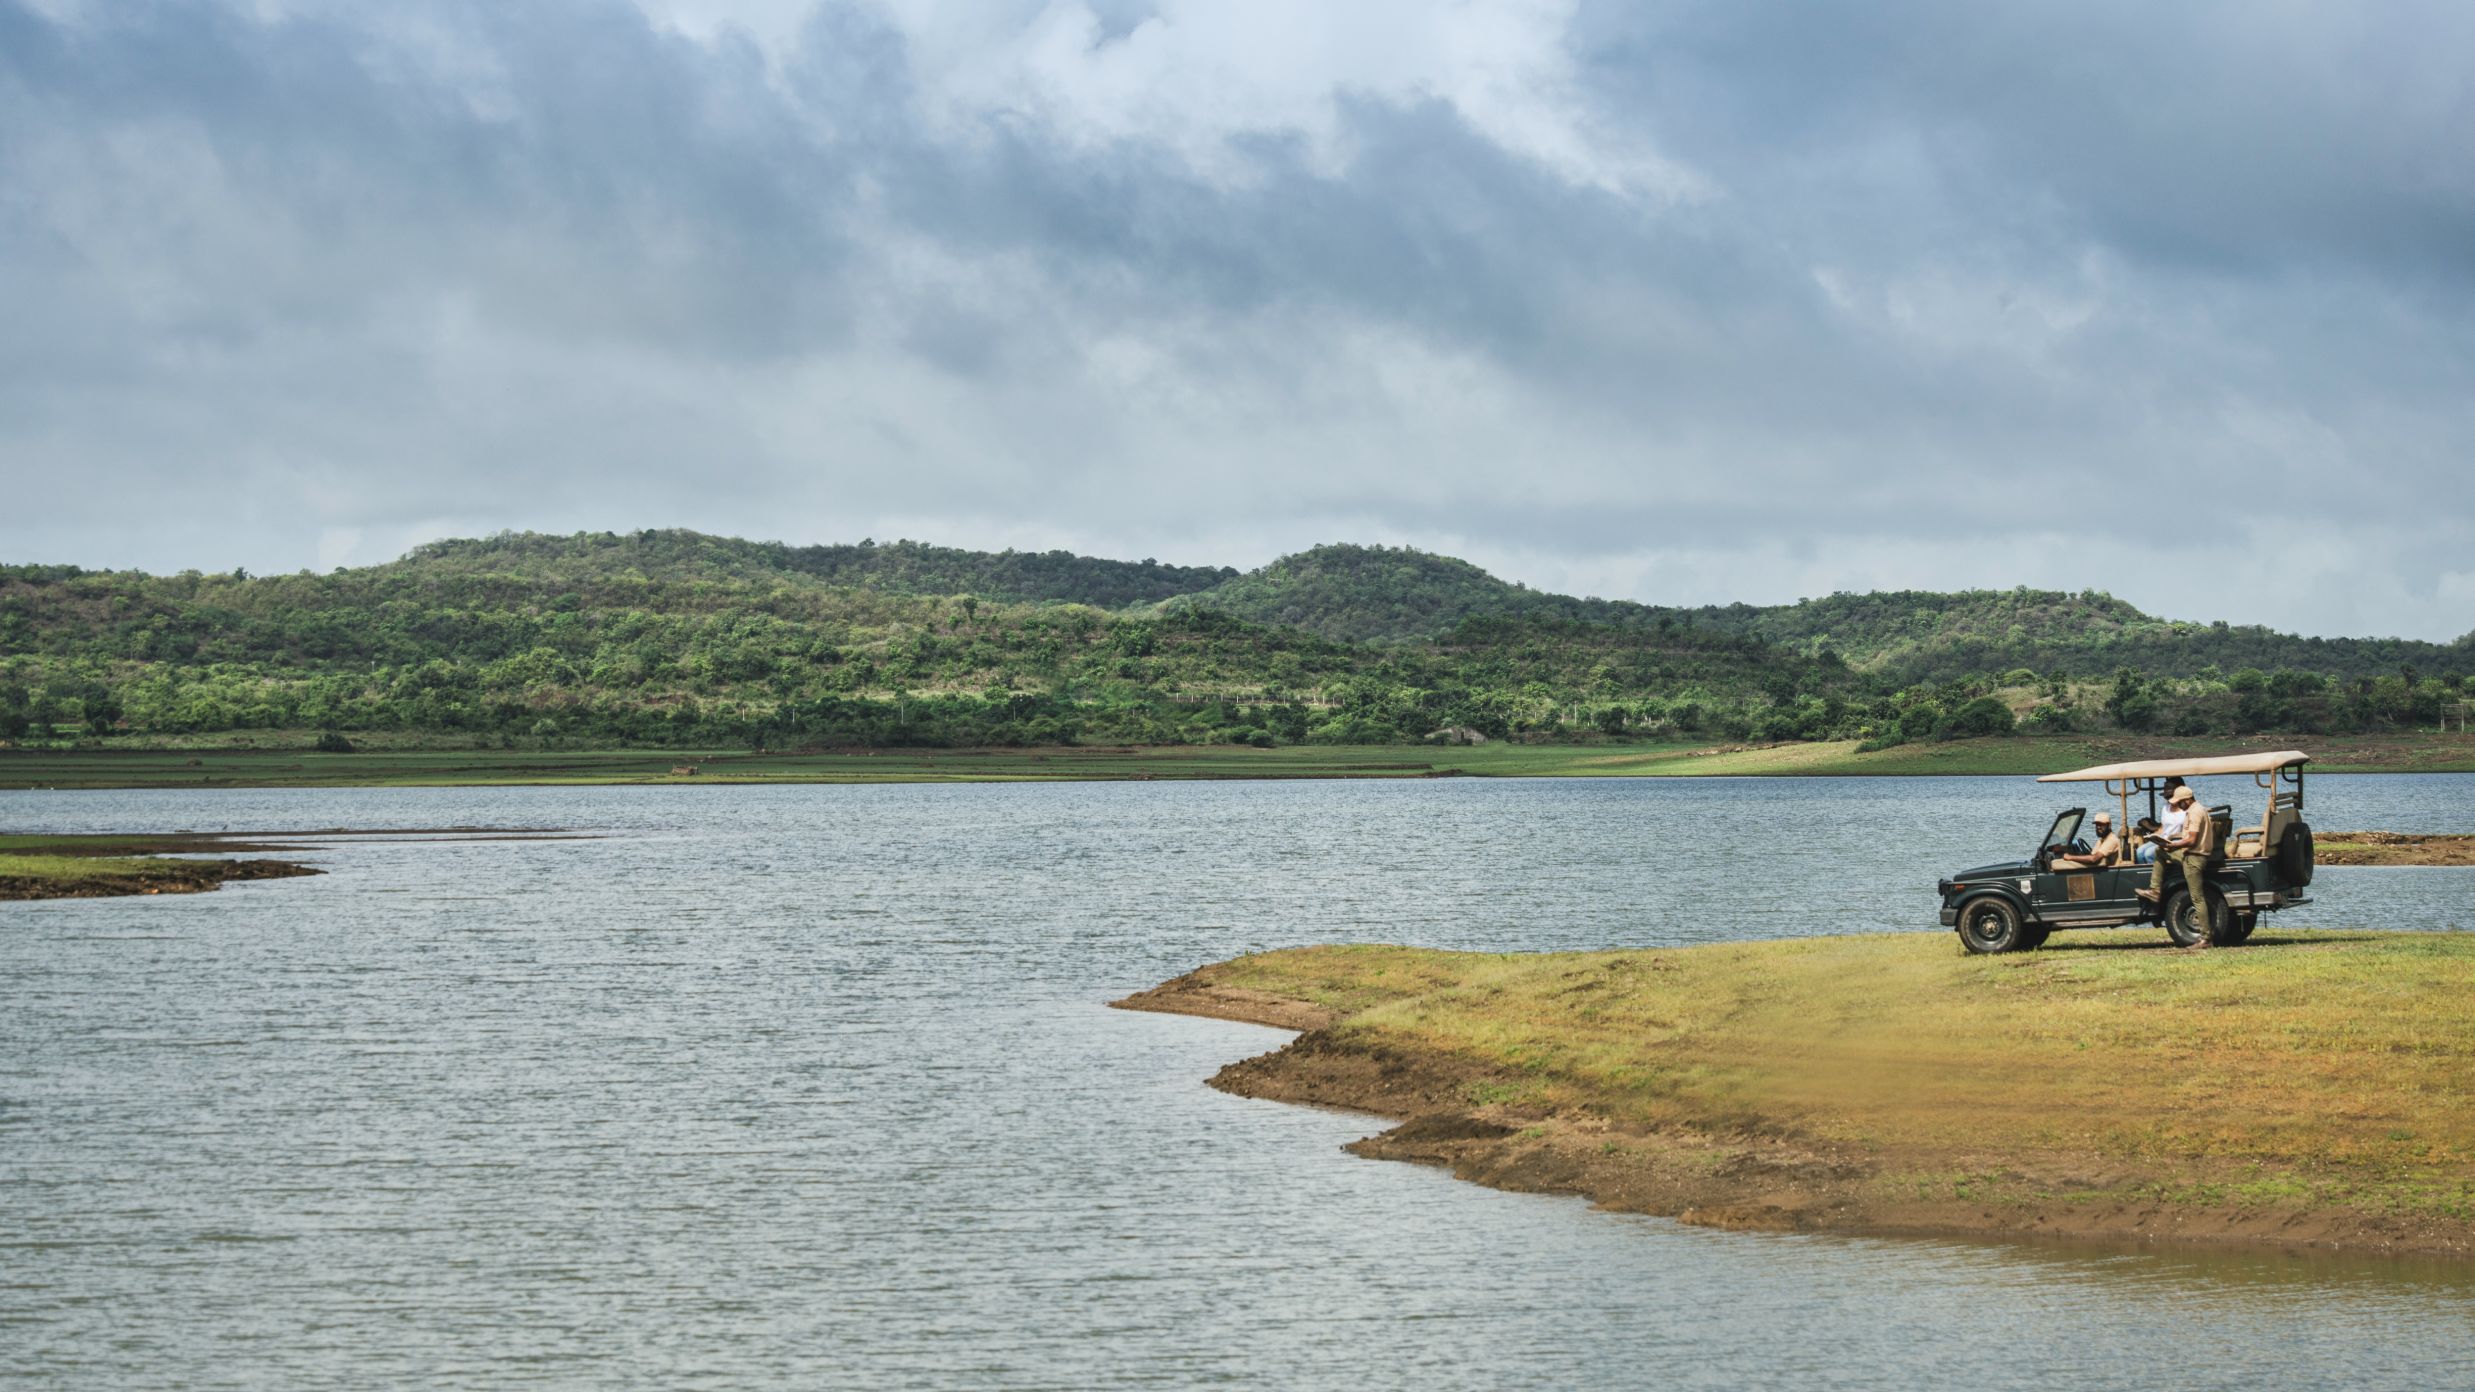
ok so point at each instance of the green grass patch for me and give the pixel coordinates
(74, 869)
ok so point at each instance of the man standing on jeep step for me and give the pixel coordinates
(2197, 851)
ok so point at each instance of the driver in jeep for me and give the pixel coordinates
(2107, 850)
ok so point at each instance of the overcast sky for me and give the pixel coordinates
(1675, 302)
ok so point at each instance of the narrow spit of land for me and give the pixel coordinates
(113, 865)
(2310, 1089)
(2393, 848)
(413, 766)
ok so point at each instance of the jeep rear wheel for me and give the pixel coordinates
(1991, 924)
(2185, 926)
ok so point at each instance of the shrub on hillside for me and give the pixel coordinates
(1982, 716)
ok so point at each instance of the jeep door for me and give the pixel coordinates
(2119, 886)
(2056, 892)
(2074, 894)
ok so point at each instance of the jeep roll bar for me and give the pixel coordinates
(2273, 771)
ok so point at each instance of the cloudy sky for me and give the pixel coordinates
(1681, 302)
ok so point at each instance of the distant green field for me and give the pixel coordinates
(276, 768)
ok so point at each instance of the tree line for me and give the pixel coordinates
(671, 638)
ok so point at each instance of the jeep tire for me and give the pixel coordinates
(1991, 923)
(2185, 927)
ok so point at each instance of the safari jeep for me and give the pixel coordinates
(2013, 905)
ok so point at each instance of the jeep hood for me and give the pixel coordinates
(2001, 870)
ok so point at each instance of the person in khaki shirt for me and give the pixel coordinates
(2109, 847)
(2196, 851)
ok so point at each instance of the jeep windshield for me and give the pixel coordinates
(2064, 834)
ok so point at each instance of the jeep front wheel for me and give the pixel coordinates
(1991, 924)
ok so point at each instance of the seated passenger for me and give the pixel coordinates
(2170, 827)
(2144, 828)
(2109, 847)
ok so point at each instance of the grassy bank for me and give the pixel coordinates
(416, 766)
(2394, 848)
(96, 867)
(2310, 1088)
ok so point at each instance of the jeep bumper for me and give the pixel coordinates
(1950, 918)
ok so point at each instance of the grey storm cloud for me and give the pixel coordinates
(1680, 302)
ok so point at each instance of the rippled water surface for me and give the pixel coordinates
(814, 1087)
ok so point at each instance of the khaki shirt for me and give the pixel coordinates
(2107, 851)
(2202, 829)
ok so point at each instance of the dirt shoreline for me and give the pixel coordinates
(167, 877)
(1757, 1173)
(2392, 848)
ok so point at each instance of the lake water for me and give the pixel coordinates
(814, 1087)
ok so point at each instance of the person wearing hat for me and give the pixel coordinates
(2172, 822)
(2168, 831)
(2108, 849)
(2196, 850)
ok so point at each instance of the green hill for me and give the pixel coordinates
(1923, 636)
(1392, 594)
(676, 637)
(1357, 594)
(1396, 594)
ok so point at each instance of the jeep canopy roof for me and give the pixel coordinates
(2186, 768)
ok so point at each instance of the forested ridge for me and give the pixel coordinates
(1367, 593)
(899, 567)
(674, 637)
